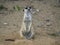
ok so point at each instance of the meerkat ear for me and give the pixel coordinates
(26, 7)
(23, 10)
(30, 7)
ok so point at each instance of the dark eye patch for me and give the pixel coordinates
(29, 7)
(26, 8)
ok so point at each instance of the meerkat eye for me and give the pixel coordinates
(26, 8)
(30, 7)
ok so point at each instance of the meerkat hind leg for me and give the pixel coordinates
(28, 35)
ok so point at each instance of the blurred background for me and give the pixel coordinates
(45, 19)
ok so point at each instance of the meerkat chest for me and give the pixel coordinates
(27, 16)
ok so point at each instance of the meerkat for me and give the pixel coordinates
(26, 30)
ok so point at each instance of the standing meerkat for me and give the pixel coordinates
(27, 29)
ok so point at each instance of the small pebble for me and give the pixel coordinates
(37, 10)
(5, 23)
(47, 20)
(39, 24)
(33, 12)
(49, 24)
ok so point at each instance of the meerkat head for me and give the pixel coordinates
(27, 9)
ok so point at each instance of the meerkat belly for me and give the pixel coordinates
(27, 23)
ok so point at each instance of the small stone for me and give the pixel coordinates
(47, 20)
(34, 12)
(49, 24)
(37, 10)
(5, 23)
(39, 24)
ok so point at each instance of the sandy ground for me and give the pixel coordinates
(46, 23)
